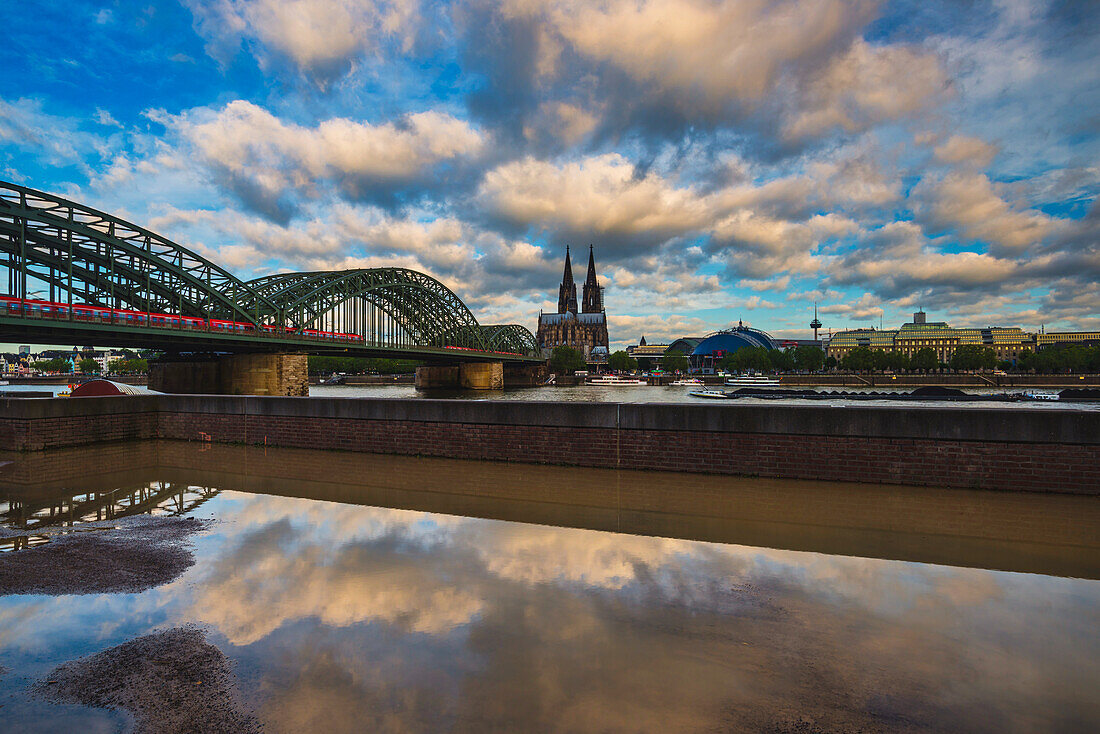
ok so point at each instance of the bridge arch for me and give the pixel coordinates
(424, 310)
(106, 261)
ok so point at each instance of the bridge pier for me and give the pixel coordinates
(526, 375)
(232, 374)
(468, 376)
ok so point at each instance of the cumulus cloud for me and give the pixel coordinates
(323, 38)
(969, 203)
(866, 86)
(758, 245)
(707, 52)
(264, 159)
(965, 149)
(601, 195)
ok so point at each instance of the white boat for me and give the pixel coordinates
(688, 381)
(752, 381)
(614, 380)
(714, 394)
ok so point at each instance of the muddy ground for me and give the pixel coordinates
(171, 681)
(129, 555)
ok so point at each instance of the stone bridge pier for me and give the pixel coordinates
(468, 376)
(479, 376)
(231, 374)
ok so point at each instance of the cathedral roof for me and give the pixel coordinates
(583, 318)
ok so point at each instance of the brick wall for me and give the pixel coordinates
(1052, 450)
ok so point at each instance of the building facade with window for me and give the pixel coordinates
(1007, 342)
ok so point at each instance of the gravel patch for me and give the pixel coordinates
(130, 555)
(171, 681)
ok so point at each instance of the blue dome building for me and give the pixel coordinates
(723, 343)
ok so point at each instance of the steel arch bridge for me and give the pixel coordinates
(75, 273)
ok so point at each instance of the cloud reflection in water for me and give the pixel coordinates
(350, 617)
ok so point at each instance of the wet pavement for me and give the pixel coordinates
(226, 588)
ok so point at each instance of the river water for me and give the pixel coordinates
(344, 592)
(641, 394)
(665, 394)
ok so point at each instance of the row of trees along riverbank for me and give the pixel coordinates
(129, 364)
(969, 357)
(361, 366)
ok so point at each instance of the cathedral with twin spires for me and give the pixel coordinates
(586, 330)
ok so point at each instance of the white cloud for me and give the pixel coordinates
(707, 52)
(105, 118)
(965, 149)
(53, 139)
(970, 203)
(266, 157)
(600, 194)
(866, 86)
(759, 245)
(322, 37)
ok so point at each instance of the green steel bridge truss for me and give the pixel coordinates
(73, 254)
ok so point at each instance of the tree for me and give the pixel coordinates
(880, 360)
(645, 363)
(88, 366)
(746, 358)
(361, 365)
(128, 366)
(831, 363)
(567, 360)
(674, 362)
(925, 359)
(620, 361)
(57, 364)
(973, 357)
(781, 360)
(809, 358)
(896, 361)
(859, 359)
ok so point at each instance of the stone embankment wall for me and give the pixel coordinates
(1011, 448)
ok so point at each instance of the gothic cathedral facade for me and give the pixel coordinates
(584, 330)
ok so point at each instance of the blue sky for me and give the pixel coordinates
(727, 160)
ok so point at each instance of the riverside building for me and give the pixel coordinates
(583, 329)
(652, 352)
(1007, 342)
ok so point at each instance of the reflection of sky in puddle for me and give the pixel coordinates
(355, 618)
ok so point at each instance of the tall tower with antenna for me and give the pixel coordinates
(815, 324)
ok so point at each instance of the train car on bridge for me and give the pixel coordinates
(34, 308)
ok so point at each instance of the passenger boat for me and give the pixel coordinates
(688, 381)
(752, 380)
(615, 380)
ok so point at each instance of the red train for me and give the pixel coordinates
(125, 317)
(10, 306)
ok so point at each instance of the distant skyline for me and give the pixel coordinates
(727, 160)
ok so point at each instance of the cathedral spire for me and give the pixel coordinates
(592, 302)
(567, 293)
